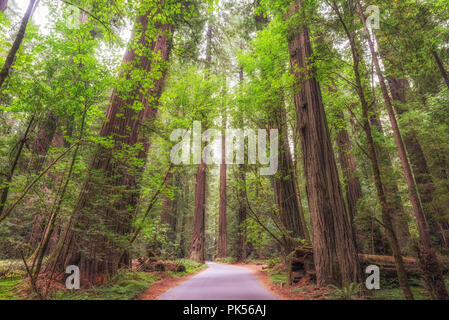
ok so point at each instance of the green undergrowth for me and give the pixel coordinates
(11, 274)
(277, 272)
(125, 285)
(397, 294)
(281, 279)
(392, 291)
(8, 288)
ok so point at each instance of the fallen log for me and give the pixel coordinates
(302, 264)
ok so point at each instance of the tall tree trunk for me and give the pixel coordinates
(94, 252)
(39, 220)
(335, 255)
(182, 225)
(421, 172)
(17, 42)
(222, 224)
(286, 195)
(42, 142)
(430, 262)
(394, 201)
(242, 247)
(198, 247)
(348, 167)
(242, 250)
(168, 206)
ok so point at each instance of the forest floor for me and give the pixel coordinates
(126, 285)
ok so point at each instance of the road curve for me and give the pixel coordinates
(220, 282)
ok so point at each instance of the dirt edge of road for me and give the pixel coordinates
(165, 283)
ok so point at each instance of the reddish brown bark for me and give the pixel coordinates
(198, 247)
(241, 214)
(242, 247)
(348, 167)
(394, 201)
(222, 223)
(286, 192)
(335, 254)
(169, 207)
(37, 228)
(430, 262)
(42, 142)
(17, 42)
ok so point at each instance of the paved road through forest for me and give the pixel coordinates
(220, 282)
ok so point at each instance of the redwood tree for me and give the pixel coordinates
(198, 245)
(335, 255)
(222, 223)
(285, 189)
(86, 241)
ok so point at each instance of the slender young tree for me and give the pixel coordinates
(222, 223)
(17, 42)
(441, 67)
(242, 247)
(198, 245)
(4, 193)
(167, 215)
